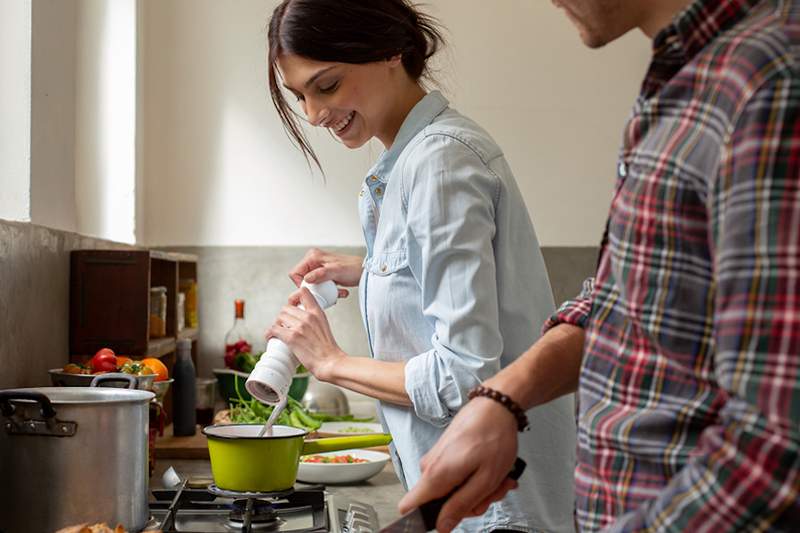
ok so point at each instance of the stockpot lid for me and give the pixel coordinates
(86, 395)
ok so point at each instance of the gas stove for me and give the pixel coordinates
(304, 510)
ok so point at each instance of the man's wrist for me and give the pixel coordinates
(482, 391)
(500, 416)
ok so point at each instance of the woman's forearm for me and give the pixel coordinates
(379, 379)
(549, 369)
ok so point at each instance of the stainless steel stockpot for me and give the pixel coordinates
(70, 455)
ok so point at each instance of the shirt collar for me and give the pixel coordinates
(688, 33)
(421, 116)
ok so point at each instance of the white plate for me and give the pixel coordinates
(340, 428)
(343, 472)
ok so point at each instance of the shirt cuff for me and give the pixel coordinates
(428, 392)
(576, 311)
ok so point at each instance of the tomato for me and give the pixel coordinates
(104, 361)
(335, 459)
(121, 360)
(159, 368)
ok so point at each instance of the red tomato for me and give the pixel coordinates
(104, 361)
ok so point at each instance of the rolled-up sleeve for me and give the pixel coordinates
(450, 196)
(576, 311)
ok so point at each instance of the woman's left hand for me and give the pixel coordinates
(308, 334)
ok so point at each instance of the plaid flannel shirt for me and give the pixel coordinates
(689, 396)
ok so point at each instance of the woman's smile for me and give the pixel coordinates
(343, 126)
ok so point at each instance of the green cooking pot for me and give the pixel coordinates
(242, 461)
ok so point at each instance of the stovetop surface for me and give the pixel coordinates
(303, 511)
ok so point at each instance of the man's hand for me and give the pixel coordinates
(475, 454)
(318, 266)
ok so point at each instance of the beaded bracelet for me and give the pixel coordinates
(505, 401)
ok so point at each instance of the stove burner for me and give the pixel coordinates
(253, 515)
(225, 493)
(261, 511)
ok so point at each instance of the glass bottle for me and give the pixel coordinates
(184, 417)
(236, 340)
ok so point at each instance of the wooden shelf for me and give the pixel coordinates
(160, 347)
(110, 304)
(188, 333)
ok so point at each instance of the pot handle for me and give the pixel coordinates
(336, 444)
(7, 409)
(115, 376)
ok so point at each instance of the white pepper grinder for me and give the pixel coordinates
(270, 380)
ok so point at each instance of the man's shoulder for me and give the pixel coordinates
(764, 44)
(757, 52)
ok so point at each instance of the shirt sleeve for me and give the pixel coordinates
(745, 472)
(576, 311)
(450, 202)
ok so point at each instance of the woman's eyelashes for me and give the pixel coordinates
(329, 88)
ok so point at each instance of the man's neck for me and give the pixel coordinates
(656, 15)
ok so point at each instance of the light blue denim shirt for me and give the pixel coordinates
(454, 284)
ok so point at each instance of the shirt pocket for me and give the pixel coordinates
(387, 263)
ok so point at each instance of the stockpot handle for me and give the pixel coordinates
(115, 376)
(46, 407)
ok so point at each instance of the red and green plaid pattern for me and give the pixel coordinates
(690, 386)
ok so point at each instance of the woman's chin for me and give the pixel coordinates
(354, 143)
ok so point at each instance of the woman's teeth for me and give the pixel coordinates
(342, 124)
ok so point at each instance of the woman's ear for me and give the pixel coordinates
(395, 61)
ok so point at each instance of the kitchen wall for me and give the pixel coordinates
(34, 300)
(15, 96)
(221, 172)
(68, 102)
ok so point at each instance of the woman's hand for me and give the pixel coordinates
(318, 266)
(475, 454)
(308, 334)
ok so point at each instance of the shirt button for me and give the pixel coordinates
(378, 191)
(383, 268)
(622, 169)
(361, 193)
(374, 178)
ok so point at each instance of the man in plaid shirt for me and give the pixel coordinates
(685, 348)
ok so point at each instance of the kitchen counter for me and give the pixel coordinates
(382, 491)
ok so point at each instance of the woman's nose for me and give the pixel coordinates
(317, 114)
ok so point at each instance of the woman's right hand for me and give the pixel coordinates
(318, 266)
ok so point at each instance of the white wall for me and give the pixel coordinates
(52, 172)
(221, 171)
(105, 140)
(15, 109)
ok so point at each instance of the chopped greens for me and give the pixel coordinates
(254, 412)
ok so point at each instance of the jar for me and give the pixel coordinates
(189, 287)
(158, 312)
(181, 314)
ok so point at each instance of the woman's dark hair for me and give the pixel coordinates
(347, 31)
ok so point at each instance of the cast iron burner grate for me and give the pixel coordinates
(253, 513)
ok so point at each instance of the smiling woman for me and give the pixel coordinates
(454, 285)
(310, 35)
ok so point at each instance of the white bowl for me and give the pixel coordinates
(328, 473)
(342, 429)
